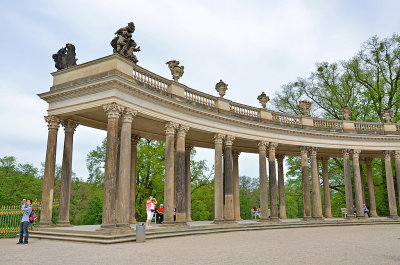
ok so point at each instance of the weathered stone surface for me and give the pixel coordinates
(357, 184)
(389, 184)
(371, 190)
(305, 182)
(281, 187)
(65, 57)
(218, 182)
(123, 43)
(316, 187)
(272, 181)
(347, 183)
(176, 70)
(262, 153)
(327, 194)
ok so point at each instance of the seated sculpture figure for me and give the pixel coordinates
(123, 43)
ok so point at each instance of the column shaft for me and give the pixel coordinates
(188, 184)
(327, 194)
(228, 170)
(316, 186)
(236, 198)
(218, 190)
(124, 170)
(262, 151)
(169, 189)
(272, 181)
(65, 193)
(113, 112)
(362, 182)
(390, 185)
(281, 187)
(132, 203)
(371, 190)
(397, 162)
(181, 176)
(347, 183)
(357, 184)
(49, 171)
(305, 183)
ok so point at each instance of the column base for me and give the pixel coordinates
(132, 221)
(122, 225)
(283, 217)
(189, 220)
(307, 219)
(107, 226)
(263, 220)
(45, 224)
(229, 221)
(217, 222)
(168, 223)
(274, 220)
(395, 217)
(238, 218)
(63, 223)
(181, 223)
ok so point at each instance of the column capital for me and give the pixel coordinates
(188, 147)
(346, 152)
(304, 150)
(313, 150)
(69, 125)
(235, 153)
(182, 130)
(356, 153)
(324, 158)
(280, 157)
(113, 110)
(219, 138)
(368, 160)
(262, 145)
(397, 154)
(229, 140)
(53, 122)
(170, 127)
(387, 153)
(128, 115)
(135, 139)
(272, 147)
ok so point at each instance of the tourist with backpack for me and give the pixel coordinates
(27, 208)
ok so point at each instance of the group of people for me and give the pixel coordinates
(256, 211)
(151, 209)
(366, 211)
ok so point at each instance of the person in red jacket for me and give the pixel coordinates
(160, 214)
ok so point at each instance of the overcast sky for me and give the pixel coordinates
(253, 46)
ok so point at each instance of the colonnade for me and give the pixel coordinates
(119, 199)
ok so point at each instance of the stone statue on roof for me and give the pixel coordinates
(123, 43)
(65, 57)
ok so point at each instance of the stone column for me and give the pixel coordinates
(181, 176)
(357, 184)
(262, 151)
(169, 189)
(49, 171)
(316, 186)
(347, 182)
(236, 198)
(272, 182)
(397, 161)
(132, 204)
(218, 190)
(371, 191)
(228, 170)
(390, 185)
(305, 183)
(362, 182)
(327, 194)
(65, 193)
(281, 187)
(113, 112)
(124, 174)
(188, 184)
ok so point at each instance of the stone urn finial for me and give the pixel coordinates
(176, 70)
(305, 107)
(221, 87)
(346, 112)
(263, 99)
(387, 114)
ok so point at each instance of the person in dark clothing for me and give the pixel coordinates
(23, 230)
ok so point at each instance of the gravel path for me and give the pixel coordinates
(370, 244)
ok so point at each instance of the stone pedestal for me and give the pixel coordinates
(170, 128)
(305, 183)
(188, 150)
(371, 190)
(218, 190)
(262, 153)
(124, 174)
(347, 183)
(228, 170)
(327, 194)
(113, 112)
(132, 204)
(49, 171)
(281, 187)
(357, 184)
(236, 198)
(272, 182)
(65, 193)
(316, 186)
(181, 176)
(390, 185)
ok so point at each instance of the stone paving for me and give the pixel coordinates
(367, 244)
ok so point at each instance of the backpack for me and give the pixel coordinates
(32, 216)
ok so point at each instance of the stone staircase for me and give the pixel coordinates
(98, 237)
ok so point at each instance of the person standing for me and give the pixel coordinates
(150, 209)
(23, 230)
